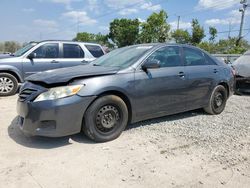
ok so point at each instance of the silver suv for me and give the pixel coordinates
(43, 56)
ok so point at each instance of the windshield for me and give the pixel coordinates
(24, 49)
(123, 57)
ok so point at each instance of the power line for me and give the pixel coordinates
(108, 13)
(242, 10)
(218, 5)
(236, 30)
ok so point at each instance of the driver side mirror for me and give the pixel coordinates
(151, 64)
(32, 55)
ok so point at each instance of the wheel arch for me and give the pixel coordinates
(224, 84)
(13, 73)
(123, 96)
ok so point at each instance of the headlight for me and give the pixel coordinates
(59, 92)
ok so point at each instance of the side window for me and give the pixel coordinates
(72, 51)
(95, 50)
(193, 57)
(167, 56)
(209, 60)
(50, 50)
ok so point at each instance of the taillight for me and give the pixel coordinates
(233, 71)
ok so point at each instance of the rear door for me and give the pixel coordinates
(202, 74)
(73, 55)
(47, 58)
(162, 90)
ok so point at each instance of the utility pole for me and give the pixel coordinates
(77, 27)
(230, 28)
(242, 10)
(178, 22)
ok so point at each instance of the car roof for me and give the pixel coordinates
(69, 41)
(159, 45)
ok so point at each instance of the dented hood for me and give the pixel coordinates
(64, 75)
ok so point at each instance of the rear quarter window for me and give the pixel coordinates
(209, 60)
(95, 50)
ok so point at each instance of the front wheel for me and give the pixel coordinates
(8, 84)
(217, 100)
(106, 118)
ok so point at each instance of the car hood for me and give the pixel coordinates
(65, 75)
(5, 56)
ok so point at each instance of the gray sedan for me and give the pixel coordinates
(127, 85)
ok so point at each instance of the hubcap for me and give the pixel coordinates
(218, 99)
(106, 118)
(6, 85)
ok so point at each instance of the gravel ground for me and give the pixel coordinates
(190, 149)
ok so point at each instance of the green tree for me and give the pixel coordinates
(96, 38)
(11, 46)
(124, 32)
(85, 37)
(197, 32)
(225, 46)
(208, 46)
(181, 36)
(1, 47)
(228, 46)
(213, 34)
(155, 29)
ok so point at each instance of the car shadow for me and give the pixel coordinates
(49, 143)
(43, 142)
(174, 117)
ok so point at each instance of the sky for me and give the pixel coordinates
(35, 20)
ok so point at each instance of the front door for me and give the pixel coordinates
(161, 90)
(46, 57)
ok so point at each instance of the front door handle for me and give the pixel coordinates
(181, 74)
(215, 70)
(54, 61)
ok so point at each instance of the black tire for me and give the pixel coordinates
(106, 118)
(217, 100)
(8, 84)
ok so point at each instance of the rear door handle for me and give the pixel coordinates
(84, 61)
(181, 74)
(215, 70)
(54, 61)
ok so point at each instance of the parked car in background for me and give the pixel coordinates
(242, 67)
(126, 85)
(227, 58)
(42, 56)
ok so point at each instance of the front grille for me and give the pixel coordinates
(26, 93)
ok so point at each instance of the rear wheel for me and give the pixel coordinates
(106, 118)
(8, 84)
(217, 100)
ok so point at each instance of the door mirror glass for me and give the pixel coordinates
(151, 64)
(32, 55)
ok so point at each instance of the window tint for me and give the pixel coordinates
(95, 50)
(72, 51)
(209, 60)
(167, 56)
(50, 50)
(193, 57)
